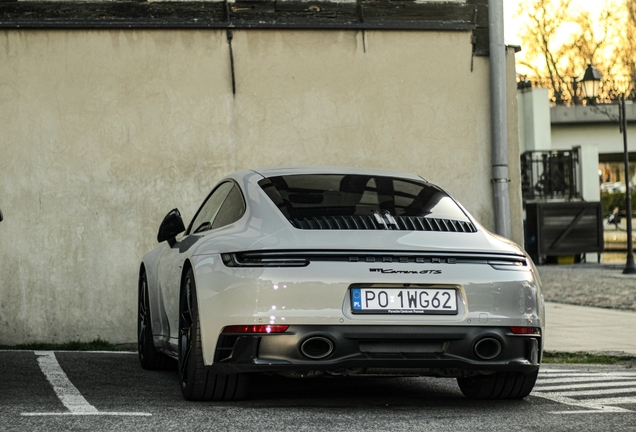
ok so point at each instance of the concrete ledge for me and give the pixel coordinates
(561, 114)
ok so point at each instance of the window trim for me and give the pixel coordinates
(207, 198)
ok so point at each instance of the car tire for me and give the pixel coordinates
(197, 382)
(149, 357)
(502, 385)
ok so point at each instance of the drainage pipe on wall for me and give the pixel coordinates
(499, 119)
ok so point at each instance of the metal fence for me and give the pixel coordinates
(550, 175)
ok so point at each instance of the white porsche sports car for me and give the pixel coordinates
(339, 271)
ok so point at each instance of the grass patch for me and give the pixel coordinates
(584, 358)
(94, 345)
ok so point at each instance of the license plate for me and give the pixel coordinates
(433, 301)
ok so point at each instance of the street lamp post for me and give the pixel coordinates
(590, 84)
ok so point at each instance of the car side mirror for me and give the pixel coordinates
(171, 226)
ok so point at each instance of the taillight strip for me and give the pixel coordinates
(255, 329)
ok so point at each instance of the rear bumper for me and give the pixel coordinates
(380, 350)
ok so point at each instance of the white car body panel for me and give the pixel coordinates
(290, 296)
(318, 294)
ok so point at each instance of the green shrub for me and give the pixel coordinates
(611, 200)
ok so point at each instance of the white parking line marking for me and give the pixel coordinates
(595, 411)
(66, 391)
(567, 388)
(595, 392)
(580, 379)
(85, 352)
(589, 385)
(614, 401)
(64, 388)
(129, 414)
(591, 374)
(591, 404)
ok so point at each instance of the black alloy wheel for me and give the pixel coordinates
(197, 382)
(149, 357)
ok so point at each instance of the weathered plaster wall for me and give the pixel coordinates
(103, 132)
(534, 119)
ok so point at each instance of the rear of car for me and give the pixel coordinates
(367, 273)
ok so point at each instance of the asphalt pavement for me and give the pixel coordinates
(106, 391)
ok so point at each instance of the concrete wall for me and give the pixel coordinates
(605, 136)
(534, 119)
(593, 140)
(103, 132)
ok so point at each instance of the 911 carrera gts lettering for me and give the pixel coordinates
(391, 271)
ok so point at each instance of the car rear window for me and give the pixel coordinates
(328, 195)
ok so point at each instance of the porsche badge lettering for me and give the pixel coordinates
(391, 271)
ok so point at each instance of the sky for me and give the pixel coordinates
(510, 23)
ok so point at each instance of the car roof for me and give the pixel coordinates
(281, 171)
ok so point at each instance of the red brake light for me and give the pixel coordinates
(255, 329)
(525, 330)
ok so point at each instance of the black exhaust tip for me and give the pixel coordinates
(487, 348)
(316, 347)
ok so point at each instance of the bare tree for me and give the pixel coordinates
(546, 18)
(625, 52)
(608, 41)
